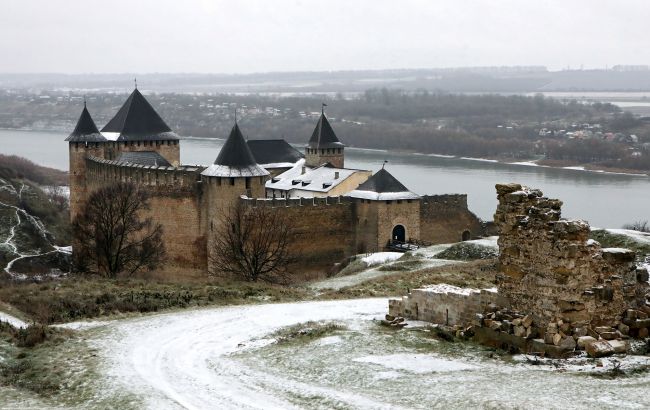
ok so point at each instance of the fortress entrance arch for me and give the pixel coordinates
(399, 234)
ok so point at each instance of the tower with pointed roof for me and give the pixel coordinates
(324, 146)
(84, 140)
(138, 127)
(388, 212)
(234, 173)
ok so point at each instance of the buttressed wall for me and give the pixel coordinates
(551, 269)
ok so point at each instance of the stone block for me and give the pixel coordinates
(599, 348)
(584, 340)
(619, 346)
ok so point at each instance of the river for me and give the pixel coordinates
(605, 200)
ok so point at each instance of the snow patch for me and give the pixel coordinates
(13, 321)
(417, 363)
(381, 257)
(444, 288)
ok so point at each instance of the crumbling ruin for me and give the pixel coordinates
(558, 290)
(552, 270)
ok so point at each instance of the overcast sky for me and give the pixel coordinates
(238, 36)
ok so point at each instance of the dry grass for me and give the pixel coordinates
(79, 297)
(477, 274)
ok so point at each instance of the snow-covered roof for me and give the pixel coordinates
(235, 159)
(320, 179)
(383, 196)
(383, 187)
(216, 170)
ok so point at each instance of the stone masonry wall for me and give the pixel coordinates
(175, 203)
(444, 304)
(324, 231)
(444, 218)
(550, 269)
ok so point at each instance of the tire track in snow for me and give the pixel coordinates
(181, 360)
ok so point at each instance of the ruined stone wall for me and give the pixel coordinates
(550, 268)
(444, 218)
(444, 304)
(324, 231)
(175, 203)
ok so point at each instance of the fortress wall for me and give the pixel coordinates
(392, 213)
(170, 150)
(325, 230)
(444, 218)
(366, 227)
(175, 203)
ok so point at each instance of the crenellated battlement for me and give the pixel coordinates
(297, 202)
(104, 171)
(445, 201)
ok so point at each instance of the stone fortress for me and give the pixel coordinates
(338, 212)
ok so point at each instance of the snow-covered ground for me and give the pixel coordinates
(426, 256)
(381, 257)
(225, 358)
(181, 360)
(12, 320)
(642, 237)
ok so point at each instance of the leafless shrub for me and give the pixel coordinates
(110, 236)
(252, 243)
(641, 226)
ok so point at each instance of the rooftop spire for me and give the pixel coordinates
(85, 130)
(323, 135)
(137, 120)
(235, 159)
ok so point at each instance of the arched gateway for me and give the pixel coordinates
(399, 234)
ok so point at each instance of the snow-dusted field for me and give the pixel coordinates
(224, 358)
(182, 360)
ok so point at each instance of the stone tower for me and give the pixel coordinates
(324, 146)
(138, 127)
(85, 140)
(233, 174)
(387, 212)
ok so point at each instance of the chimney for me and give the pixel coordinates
(303, 170)
(336, 174)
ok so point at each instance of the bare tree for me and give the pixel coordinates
(110, 235)
(253, 243)
(641, 226)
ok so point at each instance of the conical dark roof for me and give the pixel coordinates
(235, 158)
(323, 135)
(86, 130)
(383, 186)
(138, 121)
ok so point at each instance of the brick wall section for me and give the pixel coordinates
(550, 269)
(324, 229)
(439, 306)
(175, 203)
(392, 213)
(444, 218)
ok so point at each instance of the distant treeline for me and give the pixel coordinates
(485, 125)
